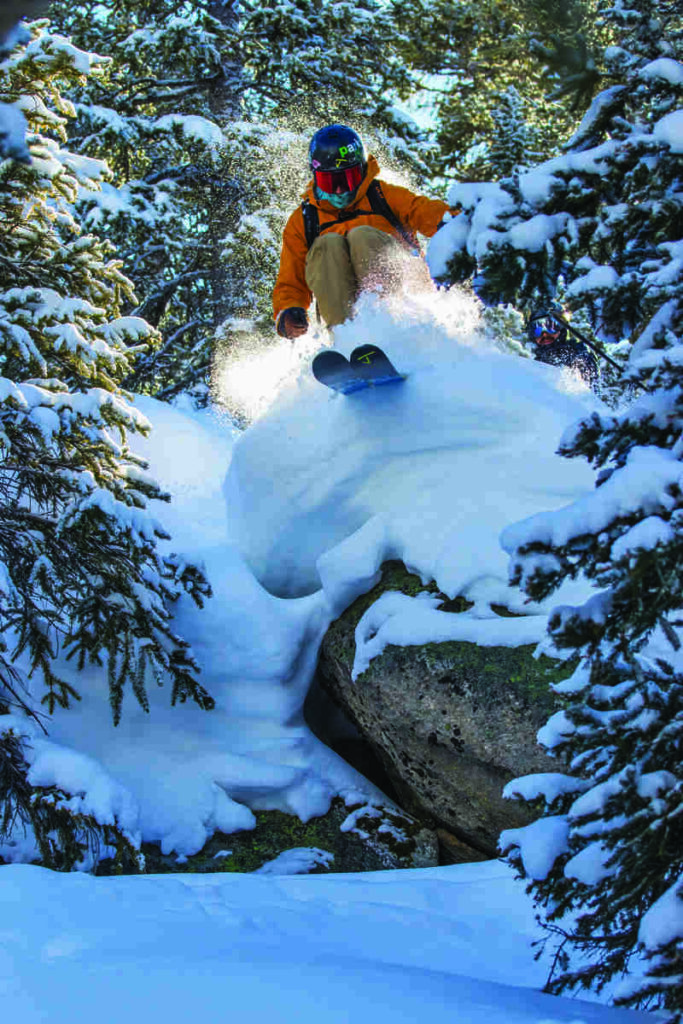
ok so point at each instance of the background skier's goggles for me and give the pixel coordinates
(334, 182)
(547, 325)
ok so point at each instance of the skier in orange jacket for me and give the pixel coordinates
(350, 228)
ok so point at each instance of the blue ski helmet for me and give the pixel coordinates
(334, 148)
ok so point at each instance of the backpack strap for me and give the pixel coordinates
(378, 206)
(311, 222)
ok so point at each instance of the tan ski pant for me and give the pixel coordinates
(339, 266)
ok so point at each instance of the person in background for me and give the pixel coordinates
(547, 332)
(352, 230)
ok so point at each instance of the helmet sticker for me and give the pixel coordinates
(346, 151)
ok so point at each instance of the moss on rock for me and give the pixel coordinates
(451, 722)
(380, 838)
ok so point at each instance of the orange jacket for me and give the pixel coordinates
(415, 212)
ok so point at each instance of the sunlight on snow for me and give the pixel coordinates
(248, 380)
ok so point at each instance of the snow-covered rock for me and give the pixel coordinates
(451, 720)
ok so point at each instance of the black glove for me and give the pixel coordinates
(292, 323)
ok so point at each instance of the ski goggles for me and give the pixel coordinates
(334, 182)
(545, 325)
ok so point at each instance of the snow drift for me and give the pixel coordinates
(323, 487)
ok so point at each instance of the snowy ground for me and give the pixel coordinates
(387, 947)
(292, 520)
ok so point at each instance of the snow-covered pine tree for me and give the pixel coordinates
(604, 860)
(173, 196)
(468, 54)
(598, 214)
(12, 123)
(512, 144)
(188, 115)
(331, 58)
(81, 575)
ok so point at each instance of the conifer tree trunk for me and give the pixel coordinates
(225, 104)
(225, 97)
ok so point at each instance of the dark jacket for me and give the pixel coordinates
(573, 354)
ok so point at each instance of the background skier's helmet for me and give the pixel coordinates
(546, 326)
(337, 159)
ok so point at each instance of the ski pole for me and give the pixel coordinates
(599, 351)
(591, 344)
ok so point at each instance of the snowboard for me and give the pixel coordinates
(367, 367)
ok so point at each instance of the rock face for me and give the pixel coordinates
(451, 723)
